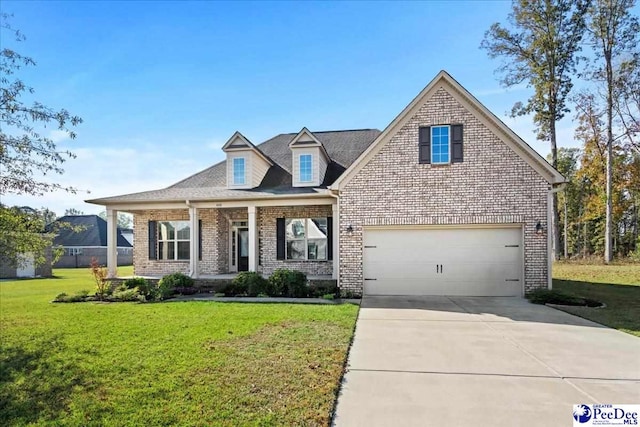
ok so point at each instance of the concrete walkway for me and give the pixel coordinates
(455, 361)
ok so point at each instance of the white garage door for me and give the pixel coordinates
(451, 261)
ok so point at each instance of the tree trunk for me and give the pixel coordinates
(555, 218)
(566, 240)
(608, 252)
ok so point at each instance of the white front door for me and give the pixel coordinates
(443, 261)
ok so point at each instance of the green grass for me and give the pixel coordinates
(175, 363)
(618, 286)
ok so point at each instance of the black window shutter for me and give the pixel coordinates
(280, 238)
(200, 239)
(456, 144)
(153, 238)
(424, 144)
(330, 238)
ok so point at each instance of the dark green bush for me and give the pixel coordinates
(289, 283)
(79, 297)
(136, 282)
(235, 289)
(251, 283)
(550, 296)
(176, 280)
(320, 288)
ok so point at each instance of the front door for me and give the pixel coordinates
(242, 249)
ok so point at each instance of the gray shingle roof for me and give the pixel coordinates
(343, 147)
(83, 230)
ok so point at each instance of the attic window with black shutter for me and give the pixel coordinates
(440, 145)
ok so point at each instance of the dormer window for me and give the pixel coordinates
(306, 167)
(238, 171)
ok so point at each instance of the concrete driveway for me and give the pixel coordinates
(457, 361)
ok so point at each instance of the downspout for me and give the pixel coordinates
(554, 189)
(194, 243)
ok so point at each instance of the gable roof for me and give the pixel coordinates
(92, 231)
(443, 79)
(342, 147)
(311, 141)
(238, 142)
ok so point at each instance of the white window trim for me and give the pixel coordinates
(244, 167)
(306, 241)
(175, 241)
(431, 144)
(300, 168)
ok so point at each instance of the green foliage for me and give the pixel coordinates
(22, 231)
(26, 154)
(128, 295)
(99, 272)
(81, 296)
(320, 288)
(252, 283)
(289, 283)
(552, 296)
(164, 288)
(329, 296)
(175, 280)
(137, 282)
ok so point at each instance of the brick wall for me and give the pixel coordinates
(216, 237)
(492, 186)
(268, 249)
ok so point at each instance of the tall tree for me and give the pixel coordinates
(614, 33)
(540, 48)
(125, 220)
(27, 156)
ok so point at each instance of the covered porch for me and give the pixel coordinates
(216, 240)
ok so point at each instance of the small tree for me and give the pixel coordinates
(99, 272)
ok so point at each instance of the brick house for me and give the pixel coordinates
(446, 200)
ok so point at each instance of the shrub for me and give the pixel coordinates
(164, 288)
(234, 289)
(328, 296)
(127, 295)
(251, 283)
(320, 288)
(79, 297)
(550, 296)
(176, 280)
(99, 272)
(289, 283)
(186, 290)
(60, 297)
(136, 282)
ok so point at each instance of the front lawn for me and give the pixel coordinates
(618, 286)
(176, 363)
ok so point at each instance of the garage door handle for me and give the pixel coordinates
(511, 246)
(370, 279)
(511, 280)
(369, 247)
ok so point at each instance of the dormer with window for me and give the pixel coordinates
(246, 165)
(309, 160)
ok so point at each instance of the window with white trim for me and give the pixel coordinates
(440, 145)
(306, 167)
(71, 251)
(173, 240)
(238, 171)
(306, 238)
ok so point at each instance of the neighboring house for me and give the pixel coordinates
(83, 237)
(27, 267)
(447, 200)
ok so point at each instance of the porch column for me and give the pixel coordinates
(194, 242)
(335, 211)
(253, 239)
(112, 243)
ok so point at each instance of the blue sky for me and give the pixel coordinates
(162, 85)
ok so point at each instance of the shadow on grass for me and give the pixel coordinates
(622, 309)
(36, 383)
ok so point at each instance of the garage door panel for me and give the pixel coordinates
(454, 261)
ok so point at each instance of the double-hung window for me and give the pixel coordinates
(238, 171)
(306, 238)
(173, 240)
(306, 168)
(440, 145)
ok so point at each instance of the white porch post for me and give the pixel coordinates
(336, 240)
(253, 239)
(194, 240)
(112, 243)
